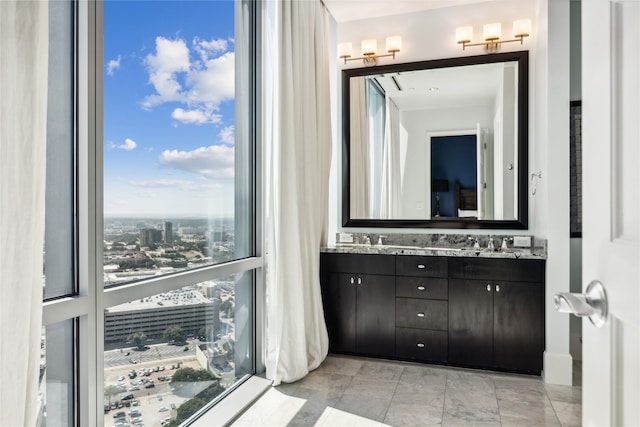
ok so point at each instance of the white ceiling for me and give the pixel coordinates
(444, 88)
(353, 10)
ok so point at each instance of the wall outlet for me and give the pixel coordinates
(521, 241)
(345, 238)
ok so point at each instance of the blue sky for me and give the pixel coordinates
(168, 108)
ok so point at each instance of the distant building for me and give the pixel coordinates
(187, 309)
(150, 236)
(167, 232)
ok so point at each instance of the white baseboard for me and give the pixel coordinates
(558, 368)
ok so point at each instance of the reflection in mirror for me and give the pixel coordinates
(462, 124)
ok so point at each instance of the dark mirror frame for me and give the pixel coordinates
(522, 58)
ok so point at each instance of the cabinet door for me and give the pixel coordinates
(471, 322)
(339, 301)
(518, 329)
(375, 315)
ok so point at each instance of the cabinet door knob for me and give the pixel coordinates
(497, 288)
(359, 281)
(420, 345)
(352, 280)
(420, 314)
(421, 266)
(488, 287)
(421, 288)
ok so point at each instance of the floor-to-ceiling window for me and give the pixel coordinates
(153, 247)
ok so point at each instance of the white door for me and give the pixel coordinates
(611, 208)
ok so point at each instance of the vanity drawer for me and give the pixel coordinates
(422, 313)
(421, 344)
(358, 263)
(422, 287)
(422, 266)
(515, 270)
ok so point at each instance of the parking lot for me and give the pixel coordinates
(148, 399)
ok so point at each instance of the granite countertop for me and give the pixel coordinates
(439, 245)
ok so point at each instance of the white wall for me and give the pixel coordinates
(431, 35)
(418, 123)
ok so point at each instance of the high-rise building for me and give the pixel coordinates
(167, 232)
(149, 236)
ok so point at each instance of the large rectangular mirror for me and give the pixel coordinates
(440, 144)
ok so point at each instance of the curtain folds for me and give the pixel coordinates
(391, 169)
(23, 115)
(359, 150)
(298, 153)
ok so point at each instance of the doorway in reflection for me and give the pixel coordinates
(453, 159)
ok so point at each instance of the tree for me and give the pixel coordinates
(174, 334)
(192, 405)
(206, 333)
(226, 307)
(191, 375)
(110, 391)
(138, 338)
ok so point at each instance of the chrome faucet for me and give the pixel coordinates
(380, 237)
(490, 245)
(366, 240)
(476, 244)
(505, 241)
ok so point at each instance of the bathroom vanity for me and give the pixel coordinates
(457, 307)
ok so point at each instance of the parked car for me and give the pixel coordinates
(150, 385)
(163, 409)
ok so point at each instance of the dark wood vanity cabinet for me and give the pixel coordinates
(496, 313)
(421, 308)
(476, 312)
(358, 294)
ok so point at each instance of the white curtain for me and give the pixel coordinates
(299, 154)
(23, 112)
(391, 169)
(359, 150)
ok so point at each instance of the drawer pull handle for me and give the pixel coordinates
(359, 281)
(352, 281)
(420, 345)
(489, 287)
(420, 314)
(421, 288)
(421, 266)
(497, 288)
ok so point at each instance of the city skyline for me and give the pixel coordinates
(169, 109)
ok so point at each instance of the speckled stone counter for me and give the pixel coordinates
(450, 245)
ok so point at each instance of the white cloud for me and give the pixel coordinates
(213, 83)
(201, 84)
(180, 184)
(206, 49)
(113, 65)
(215, 161)
(227, 135)
(198, 117)
(171, 57)
(128, 145)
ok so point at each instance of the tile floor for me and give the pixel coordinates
(350, 391)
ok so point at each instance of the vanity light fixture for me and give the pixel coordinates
(492, 33)
(369, 48)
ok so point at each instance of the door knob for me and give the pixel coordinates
(592, 303)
